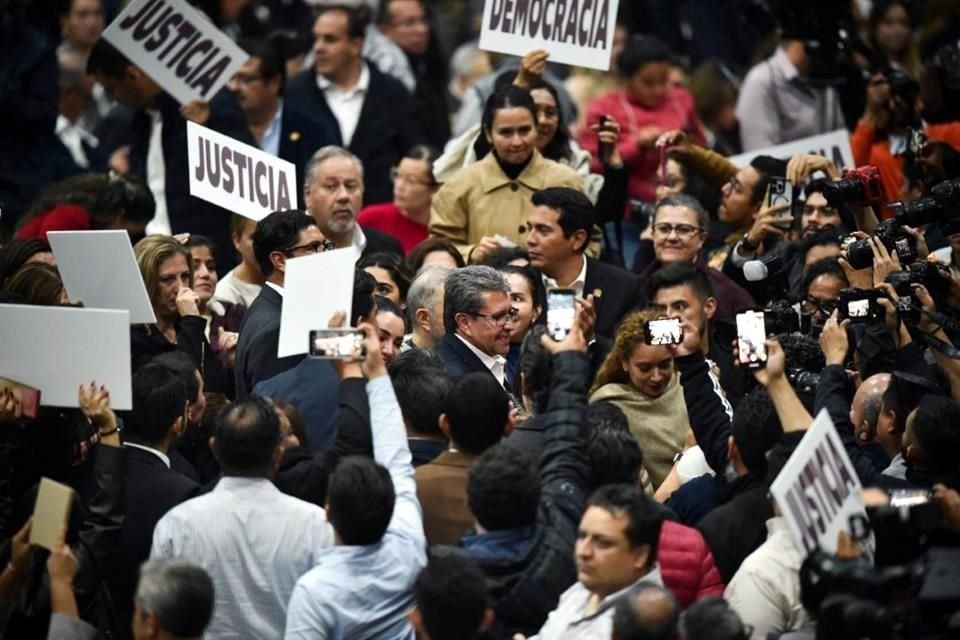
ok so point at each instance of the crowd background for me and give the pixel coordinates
(473, 473)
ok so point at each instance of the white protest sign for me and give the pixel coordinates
(236, 176)
(99, 269)
(56, 349)
(834, 145)
(578, 33)
(818, 490)
(314, 288)
(177, 46)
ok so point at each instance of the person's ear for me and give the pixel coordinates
(443, 422)
(579, 239)
(913, 456)
(463, 323)
(488, 135)
(178, 426)
(641, 558)
(537, 310)
(279, 261)
(421, 318)
(710, 307)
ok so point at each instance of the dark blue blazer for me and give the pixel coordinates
(387, 128)
(259, 339)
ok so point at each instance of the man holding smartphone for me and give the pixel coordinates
(558, 232)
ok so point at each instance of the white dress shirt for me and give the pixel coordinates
(765, 591)
(578, 283)
(271, 137)
(495, 364)
(160, 454)
(72, 135)
(157, 177)
(255, 542)
(346, 105)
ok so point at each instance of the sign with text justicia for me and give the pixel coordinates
(177, 46)
(575, 32)
(236, 176)
(818, 489)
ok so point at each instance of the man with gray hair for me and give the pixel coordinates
(425, 308)
(679, 230)
(333, 195)
(174, 599)
(477, 318)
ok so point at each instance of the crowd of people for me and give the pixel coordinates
(481, 467)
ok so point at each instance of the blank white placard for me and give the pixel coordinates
(314, 288)
(99, 269)
(56, 349)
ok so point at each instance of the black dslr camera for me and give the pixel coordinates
(943, 203)
(857, 186)
(892, 235)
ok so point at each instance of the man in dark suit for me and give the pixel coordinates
(177, 210)
(478, 316)
(558, 232)
(372, 113)
(155, 423)
(333, 195)
(278, 127)
(279, 236)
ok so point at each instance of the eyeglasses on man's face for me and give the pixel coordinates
(682, 230)
(499, 319)
(317, 246)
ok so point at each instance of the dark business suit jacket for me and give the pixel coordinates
(300, 137)
(259, 339)
(387, 128)
(189, 214)
(380, 242)
(457, 358)
(442, 491)
(616, 292)
(152, 490)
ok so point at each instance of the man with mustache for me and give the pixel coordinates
(333, 195)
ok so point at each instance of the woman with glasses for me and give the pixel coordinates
(167, 270)
(642, 381)
(408, 216)
(485, 205)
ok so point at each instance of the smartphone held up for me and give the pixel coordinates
(751, 339)
(561, 312)
(337, 344)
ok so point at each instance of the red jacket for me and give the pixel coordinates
(686, 564)
(676, 112)
(64, 217)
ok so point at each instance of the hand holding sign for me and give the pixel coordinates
(196, 111)
(531, 67)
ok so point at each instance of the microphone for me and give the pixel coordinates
(757, 270)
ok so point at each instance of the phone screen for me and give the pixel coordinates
(751, 338)
(561, 309)
(663, 332)
(337, 344)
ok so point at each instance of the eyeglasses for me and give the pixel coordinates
(499, 319)
(395, 176)
(683, 230)
(312, 247)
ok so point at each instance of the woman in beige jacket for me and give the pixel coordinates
(485, 205)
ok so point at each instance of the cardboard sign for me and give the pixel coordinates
(575, 32)
(314, 288)
(50, 513)
(238, 177)
(177, 46)
(99, 269)
(56, 349)
(818, 489)
(834, 145)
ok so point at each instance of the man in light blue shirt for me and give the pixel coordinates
(363, 587)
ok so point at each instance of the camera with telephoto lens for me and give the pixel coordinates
(892, 235)
(943, 203)
(923, 272)
(782, 317)
(857, 186)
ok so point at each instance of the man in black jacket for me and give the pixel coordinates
(160, 120)
(371, 113)
(531, 523)
(156, 422)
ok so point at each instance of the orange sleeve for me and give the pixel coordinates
(861, 142)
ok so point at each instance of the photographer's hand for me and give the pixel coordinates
(803, 165)
(834, 341)
(884, 262)
(766, 224)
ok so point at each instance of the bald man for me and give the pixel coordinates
(648, 611)
(864, 412)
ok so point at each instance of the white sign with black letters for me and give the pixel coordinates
(177, 46)
(575, 32)
(236, 176)
(818, 489)
(834, 145)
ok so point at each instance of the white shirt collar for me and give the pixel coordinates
(363, 83)
(782, 62)
(275, 287)
(578, 283)
(495, 363)
(160, 454)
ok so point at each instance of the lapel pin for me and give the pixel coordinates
(294, 136)
(597, 293)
